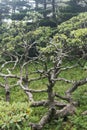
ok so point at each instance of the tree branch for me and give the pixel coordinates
(76, 85)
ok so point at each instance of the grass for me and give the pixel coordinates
(18, 95)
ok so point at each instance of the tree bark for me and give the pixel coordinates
(7, 90)
(53, 8)
(45, 6)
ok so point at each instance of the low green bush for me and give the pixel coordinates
(13, 116)
(79, 122)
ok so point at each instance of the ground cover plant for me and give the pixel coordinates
(14, 115)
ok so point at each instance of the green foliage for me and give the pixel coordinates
(79, 122)
(75, 6)
(42, 35)
(80, 34)
(60, 39)
(64, 16)
(33, 16)
(74, 23)
(17, 34)
(13, 116)
(70, 8)
(48, 22)
(59, 124)
(73, 34)
(18, 16)
(78, 37)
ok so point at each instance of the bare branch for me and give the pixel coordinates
(39, 103)
(9, 76)
(68, 67)
(29, 94)
(59, 104)
(76, 85)
(35, 91)
(61, 97)
(2, 85)
(63, 79)
(44, 120)
(66, 111)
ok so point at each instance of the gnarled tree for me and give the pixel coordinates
(48, 64)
